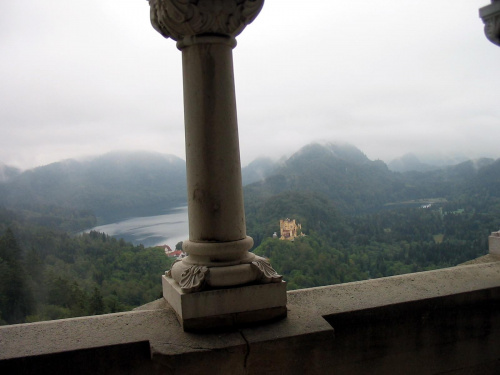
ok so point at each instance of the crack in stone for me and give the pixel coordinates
(187, 346)
(247, 354)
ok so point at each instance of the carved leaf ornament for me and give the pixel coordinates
(193, 279)
(179, 18)
(268, 274)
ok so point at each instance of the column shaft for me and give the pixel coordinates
(215, 198)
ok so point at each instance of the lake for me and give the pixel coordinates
(166, 229)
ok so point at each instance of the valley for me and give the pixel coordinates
(361, 221)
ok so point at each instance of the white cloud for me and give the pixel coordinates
(89, 76)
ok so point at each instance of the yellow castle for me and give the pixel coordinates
(289, 229)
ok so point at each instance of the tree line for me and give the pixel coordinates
(50, 274)
(342, 248)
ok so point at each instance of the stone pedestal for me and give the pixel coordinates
(218, 247)
(229, 307)
(494, 243)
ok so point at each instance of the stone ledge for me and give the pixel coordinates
(488, 258)
(302, 343)
(393, 290)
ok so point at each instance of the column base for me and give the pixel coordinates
(194, 274)
(227, 308)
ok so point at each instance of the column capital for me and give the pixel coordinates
(179, 19)
(490, 15)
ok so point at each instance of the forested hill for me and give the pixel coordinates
(327, 188)
(257, 170)
(114, 185)
(363, 221)
(7, 172)
(111, 186)
(123, 184)
(340, 172)
(360, 219)
(356, 184)
(46, 273)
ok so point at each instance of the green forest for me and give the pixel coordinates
(363, 221)
(47, 273)
(339, 248)
(360, 221)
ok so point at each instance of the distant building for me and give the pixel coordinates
(289, 229)
(176, 254)
(166, 248)
(173, 253)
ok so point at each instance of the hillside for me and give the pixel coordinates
(361, 221)
(357, 185)
(123, 184)
(424, 161)
(48, 274)
(340, 172)
(257, 170)
(112, 186)
(349, 203)
(7, 172)
(409, 162)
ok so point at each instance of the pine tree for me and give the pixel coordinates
(96, 306)
(16, 297)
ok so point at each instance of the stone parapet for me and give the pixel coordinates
(450, 317)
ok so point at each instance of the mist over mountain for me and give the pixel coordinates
(450, 182)
(118, 185)
(422, 162)
(340, 172)
(487, 178)
(360, 220)
(114, 185)
(409, 162)
(257, 170)
(7, 172)
(346, 182)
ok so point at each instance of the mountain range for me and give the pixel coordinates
(361, 220)
(114, 185)
(123, 184)
(425, 162)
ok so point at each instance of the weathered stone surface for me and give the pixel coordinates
(218, 247)
(373, 293)
(488, 258)
(177, 19)
(490, 15)
(228, 307)
(494, 243)
(443, 321)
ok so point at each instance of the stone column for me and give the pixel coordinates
(217, 248)
(490, 15)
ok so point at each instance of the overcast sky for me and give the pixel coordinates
(85, 77)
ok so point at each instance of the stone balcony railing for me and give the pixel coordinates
(442, 321)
